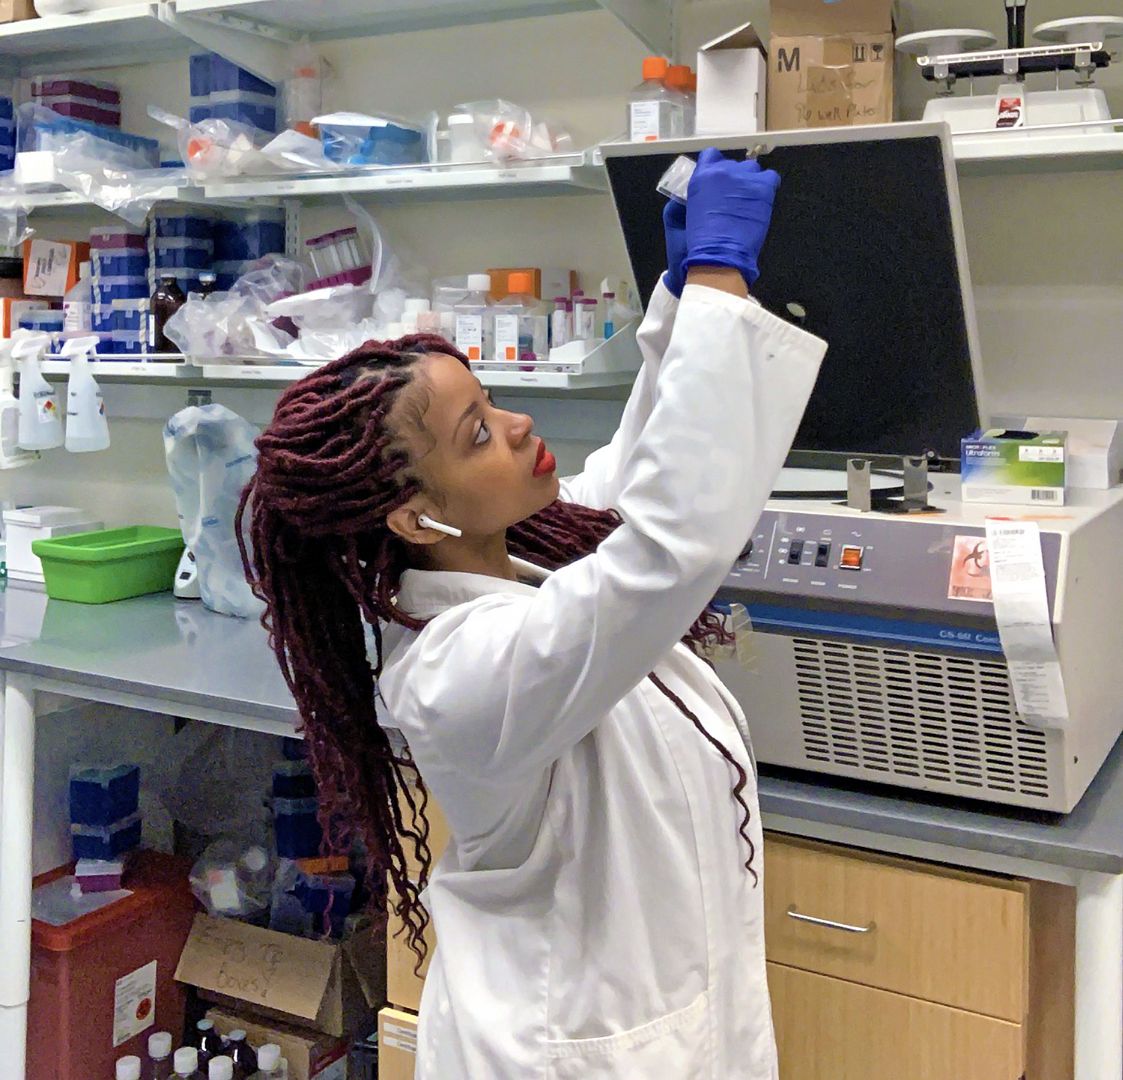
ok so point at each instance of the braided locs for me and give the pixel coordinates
(318, 552)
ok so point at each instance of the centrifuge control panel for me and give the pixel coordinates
(930, 564)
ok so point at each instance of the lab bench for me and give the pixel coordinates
(173, 657)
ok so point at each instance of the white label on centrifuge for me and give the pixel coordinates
(470, 335)
(1041, 453)
(134, 1003)
(506, 337)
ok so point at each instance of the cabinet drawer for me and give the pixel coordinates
(828, 1029)
(944, 936)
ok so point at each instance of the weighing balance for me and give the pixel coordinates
(867, 657)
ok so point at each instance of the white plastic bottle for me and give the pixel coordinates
(473, 326)
(415, 306)
(127, 1068)
(186, 1064)
(11, 456)
(87, 428)
(270, 1064)
(159, 1056)
(77, 304)
(521, 323)
(220, 1068)
(40, 418)
(654, 110)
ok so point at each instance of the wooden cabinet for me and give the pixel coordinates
(890, 969)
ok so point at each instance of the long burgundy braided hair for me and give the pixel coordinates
(317, 550)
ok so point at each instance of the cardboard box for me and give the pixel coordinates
(397, 1044)
(403, 983)
(16, 10)
(438, 834)
(830, 63)
(310, 1054)
(1022, 467)
(732, 77)
(549, 281)
(50, 267)
(326, 986)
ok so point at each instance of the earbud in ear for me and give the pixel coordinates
(426, 522)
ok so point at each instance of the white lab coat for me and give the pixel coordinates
(594, 916)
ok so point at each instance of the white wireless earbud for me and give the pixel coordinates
(426, 522)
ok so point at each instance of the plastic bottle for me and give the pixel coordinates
(473, 326)
(560, 331)
(584, 319)
(609, 299)
(159, 1065)
(166, 301)
(77, 304)
(185, 1064)
(40, 418)
(11, 456)
(415, 306)
(654, 111)
(678, 79)
(208, 1041)
(304, 90)
(521, 326)
(241, 1053)
(127, 1068)
(220, 1068)
(87, 429)
(207, 281)
(271, 1066)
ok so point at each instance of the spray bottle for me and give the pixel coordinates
(11, 456)
(86, 426)
(40, 418)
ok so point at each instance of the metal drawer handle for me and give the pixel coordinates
(830, 924)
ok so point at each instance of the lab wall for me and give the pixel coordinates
(1043, 248)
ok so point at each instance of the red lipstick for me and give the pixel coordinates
(545, 462)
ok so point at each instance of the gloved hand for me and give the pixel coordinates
(728, 209)
(674, 229)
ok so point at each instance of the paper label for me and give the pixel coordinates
(1021, 609)
(76, 315)
(1010, 106)
(48, 267)
(1041, 453)
(151, 320)
(506, 337)
(46, 406)
(969, 578)
(400, 1037)
(470, 335)
(651, 121)
(134, 1003)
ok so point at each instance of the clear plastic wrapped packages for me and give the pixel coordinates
(234, 879)
(510, 132)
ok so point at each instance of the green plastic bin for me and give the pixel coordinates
(111, 564)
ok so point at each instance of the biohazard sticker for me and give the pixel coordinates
(134, 1003)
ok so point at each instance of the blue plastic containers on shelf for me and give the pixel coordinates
(7, 135)
(223, 91)
(249, 235)
(104, 817)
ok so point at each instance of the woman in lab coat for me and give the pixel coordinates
(599, 910)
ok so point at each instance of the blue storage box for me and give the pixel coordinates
(198, 113)
(241, 108)
(129, 346)
(240, 240)
(297, 828)
(8, 134)
(7, 108)
(108, 289)
(194, 257)
(119, 262)
(193, 226)
(105, 841)
(48, 321)
(294, 749)
(103, 794)
(227, 76)
(56, 133)
(326, 895)
(130, 316)
(101, 320)
(199, 68)
(293, 780)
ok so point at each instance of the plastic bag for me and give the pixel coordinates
(234, 878)
(14, 229)
(510, 133)
(113, 170)
(211, 457)
(214, 148)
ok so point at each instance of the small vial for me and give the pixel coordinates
(609, 299)
(560, 322)
(584, 319)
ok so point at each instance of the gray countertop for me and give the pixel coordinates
(177, 653)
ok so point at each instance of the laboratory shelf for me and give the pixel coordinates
(64, 201)
(649, 20)
(563, 176)
(129, 368)
(1014, 153)
(128, 34)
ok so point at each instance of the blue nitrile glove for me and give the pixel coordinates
(729, 206)
(674, 229)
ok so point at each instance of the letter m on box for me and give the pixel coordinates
(787, 61)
